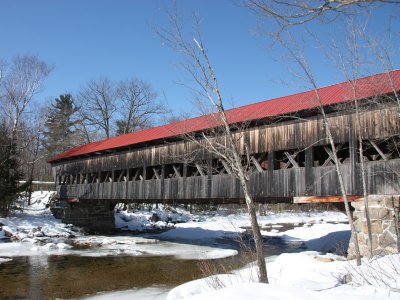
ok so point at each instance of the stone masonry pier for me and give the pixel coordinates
(96, 215)
(384, 215)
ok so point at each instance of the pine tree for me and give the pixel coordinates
(10, 172)
(60, 134)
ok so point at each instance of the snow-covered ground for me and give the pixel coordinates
(305, 275)
(36, 232)
(311, 274)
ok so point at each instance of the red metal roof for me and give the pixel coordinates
(334, 94)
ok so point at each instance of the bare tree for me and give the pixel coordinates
(116, 108)
(137, 106)
(349, 60)
(306, 75)
(31, 145)
(386, 54)
(98, 102)
(224, 144)
(22, 81)
(297, 12)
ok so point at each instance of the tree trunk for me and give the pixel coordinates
(258, 239)
(342, 188)
(364, 182)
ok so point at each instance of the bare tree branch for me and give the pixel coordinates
(298, 12)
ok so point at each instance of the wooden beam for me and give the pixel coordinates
(326, 199)
(121, 175)
(378, 150)
(156, 173)
(136, 175)
(226, 166)
(291, 160)
(256, 164)
(331, 157)
(200, 170)
(176, 170)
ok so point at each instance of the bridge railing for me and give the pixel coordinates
(382, 178)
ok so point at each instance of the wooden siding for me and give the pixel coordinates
(381, 176)
(303, 179)
(294, 134)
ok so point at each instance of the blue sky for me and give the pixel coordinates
(85, 40)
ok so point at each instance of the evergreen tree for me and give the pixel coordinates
(60, 134)
(10, 172)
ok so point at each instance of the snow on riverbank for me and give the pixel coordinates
(36, 223)
(150, 219)
(306, 275)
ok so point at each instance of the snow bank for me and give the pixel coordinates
(152, 293)
(259, 291)
(381, 272)
(35, 222)
(307, 275)
(308, 270)
(155, 218)
(2, 260)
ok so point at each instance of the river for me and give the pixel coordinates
(81, 271)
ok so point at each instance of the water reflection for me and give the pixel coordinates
(75, 276)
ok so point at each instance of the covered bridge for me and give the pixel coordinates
(291, 159)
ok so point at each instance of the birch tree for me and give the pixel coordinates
(197, 64)
(23, 79)
(305, 73)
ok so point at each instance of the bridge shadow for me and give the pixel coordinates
(199, 237)
(336, 242)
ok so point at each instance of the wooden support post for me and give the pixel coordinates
(127, 185)
(184, 172)
(162, 171)
(271, 167)
(209, 177)
(309, 164)
(144, 173)
(355, 179)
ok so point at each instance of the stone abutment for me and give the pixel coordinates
(93, 215)
(384, 216)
